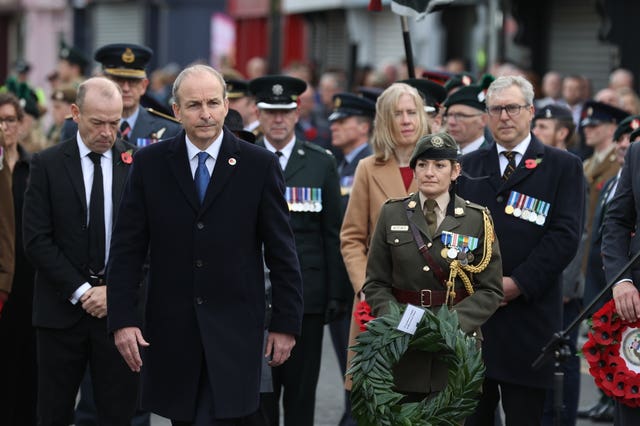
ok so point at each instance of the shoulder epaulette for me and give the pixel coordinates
(163, 115)
(475, 206)
(317, 148)
(396, 200)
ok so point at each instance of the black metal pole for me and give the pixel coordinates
(406, 37)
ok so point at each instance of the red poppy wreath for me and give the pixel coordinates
(613, 353)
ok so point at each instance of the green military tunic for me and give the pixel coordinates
(395, 262)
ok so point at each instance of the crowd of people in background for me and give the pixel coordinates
(343, 145)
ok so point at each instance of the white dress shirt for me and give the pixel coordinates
(286, 151)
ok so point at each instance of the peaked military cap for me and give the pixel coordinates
(66, 94)
(348, 104)
(233, 122)
(554, 111)
(277, 91)
(633, 135)
(370, 92)
(436, 146)
(440, 77)
(627, 125)
(124, 60)
(237, 88)
(595, 113)
(72, 55)
(432, 92)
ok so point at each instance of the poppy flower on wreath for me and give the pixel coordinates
(127, 156)
(362, 314)
(613, 353)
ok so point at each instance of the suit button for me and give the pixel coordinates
(396, 241)
(425, 268)
(200, 225)
(500, 199)
(199, 263)
(199, 300)
(429, 245)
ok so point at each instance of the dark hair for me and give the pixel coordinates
(7, 98)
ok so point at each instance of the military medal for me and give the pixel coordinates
(533, 217)
(470, 257)
(527, 208)
(443, 253)
(517, 211)
(513, 198)
(452, 253)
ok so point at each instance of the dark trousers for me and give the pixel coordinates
(523, 406)
(340, 337)
(63, 356)
(204, 415)
(571, 370)
(626, 416)
(297, 378)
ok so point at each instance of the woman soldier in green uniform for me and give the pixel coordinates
(431, 249)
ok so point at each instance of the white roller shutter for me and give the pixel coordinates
(574, 47)
(117, 23)
(387, 36)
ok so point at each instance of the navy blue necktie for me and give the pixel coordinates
(202, 175)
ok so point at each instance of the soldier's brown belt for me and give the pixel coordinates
(426, 298)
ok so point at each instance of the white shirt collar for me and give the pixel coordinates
(521, 148)
(132, 119)
(84, 151)
(286, 150)
(213, 150)
(473, 146)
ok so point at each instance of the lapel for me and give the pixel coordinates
(226, 163)
(120, 172)
(297, 160)
(451, 221)
(489, 166)
(534, 152)
(179, 166)
(388, 178)
(74, 168)
(416, 215)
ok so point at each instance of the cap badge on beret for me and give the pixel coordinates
(128, 56)
(277, 89)
(481, 96)
(64, 52)
(547, 113)
(635, 124)
(466, 80)
(59, 96)
(590, 111)
(337, 102)
(437, 142)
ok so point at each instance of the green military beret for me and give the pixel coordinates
(437, 146)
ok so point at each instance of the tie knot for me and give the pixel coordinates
(430, 205)
(511, 155)
(279, 154)
(95, 157)
(202, 157)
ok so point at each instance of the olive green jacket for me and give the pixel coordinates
(395, 262)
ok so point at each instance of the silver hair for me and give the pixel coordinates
(196, 69)
(504, 82)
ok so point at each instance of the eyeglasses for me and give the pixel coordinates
(459, 116)
(512, 110)
(8, 120)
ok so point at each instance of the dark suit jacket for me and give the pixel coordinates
(534, 256)
(147, 124)
(348, 171)
(205, 298)
(317, 233)
(620, 237)
(7, 227)
(55, 232)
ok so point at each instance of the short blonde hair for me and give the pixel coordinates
(385, 127)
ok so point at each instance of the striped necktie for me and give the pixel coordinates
(511, 166)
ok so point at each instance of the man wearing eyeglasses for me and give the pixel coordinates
(536, 197)
(465, 117)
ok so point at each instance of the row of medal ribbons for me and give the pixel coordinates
(142, 142)
(458, 246)
(303, 199)
(527, 208)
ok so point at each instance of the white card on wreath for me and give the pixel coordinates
(410, 319)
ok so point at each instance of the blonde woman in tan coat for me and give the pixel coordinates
(399, 123)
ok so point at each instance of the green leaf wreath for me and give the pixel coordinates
(375, 403)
